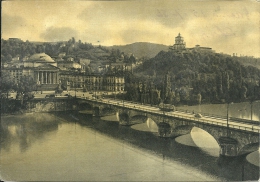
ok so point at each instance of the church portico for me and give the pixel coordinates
(46, 77)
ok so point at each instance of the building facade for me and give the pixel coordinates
(92, 82)
(41, 67)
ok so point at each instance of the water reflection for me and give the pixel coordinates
(23, 131)
(202, 139)
(148, 126)
(253, 158)
(75, 152)
(205, 141)
(111, 118)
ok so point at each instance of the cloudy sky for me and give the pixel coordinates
(226, 26)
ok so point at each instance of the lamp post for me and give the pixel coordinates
(228, 105)
(227, 119)
(75, 89)
(95, 95)
(251, 103)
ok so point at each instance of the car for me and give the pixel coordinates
(66, 95)
(198, 115)
(50, 96)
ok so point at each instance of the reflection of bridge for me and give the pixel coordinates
(234, 138)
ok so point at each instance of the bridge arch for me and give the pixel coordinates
(84, 106)
(130, 117)
(105, 111)
(252, 147)
(203, 138)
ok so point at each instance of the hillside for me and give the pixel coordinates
(216, 76)
(249, 61)
(141, 49)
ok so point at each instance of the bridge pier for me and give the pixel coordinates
(96, 112)
(228, 146)
(164, 130)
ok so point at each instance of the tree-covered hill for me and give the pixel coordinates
(13, 48)
(217, 77)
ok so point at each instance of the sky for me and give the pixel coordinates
(225, 26)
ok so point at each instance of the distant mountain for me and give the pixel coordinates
(141, 49)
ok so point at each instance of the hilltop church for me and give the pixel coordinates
(180, 46)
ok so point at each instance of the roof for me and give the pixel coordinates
(40, 57)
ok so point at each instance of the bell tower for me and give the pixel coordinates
(179, 43)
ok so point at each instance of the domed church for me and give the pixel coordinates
(45, 71)
(42, 68)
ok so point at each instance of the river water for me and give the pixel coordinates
(78, 147)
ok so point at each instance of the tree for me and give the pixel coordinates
(24, 88)
(73, 40)
(7, 83)
(243, 92)
(225, 83)
(198, 98)
(219, 85)
(170, 98)
(177, 98)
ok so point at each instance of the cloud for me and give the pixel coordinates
(226, 26)
(165, 12)
(59, 33)
(10, 24)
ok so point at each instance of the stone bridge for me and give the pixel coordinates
(233, 139)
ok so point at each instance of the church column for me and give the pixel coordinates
(38, 75)
(46, 81)
(50, 78)
(41, 77)
(56, 76)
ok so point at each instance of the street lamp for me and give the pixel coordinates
(251, 103)
(95, 91)
(75, 90)
(228, 117)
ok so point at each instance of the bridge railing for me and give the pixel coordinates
(194, 119)
(246, 128)
(204, 114)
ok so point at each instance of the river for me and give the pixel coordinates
(78, 147)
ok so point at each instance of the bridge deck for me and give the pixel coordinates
(178, 114)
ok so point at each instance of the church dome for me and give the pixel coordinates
(41, 57)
